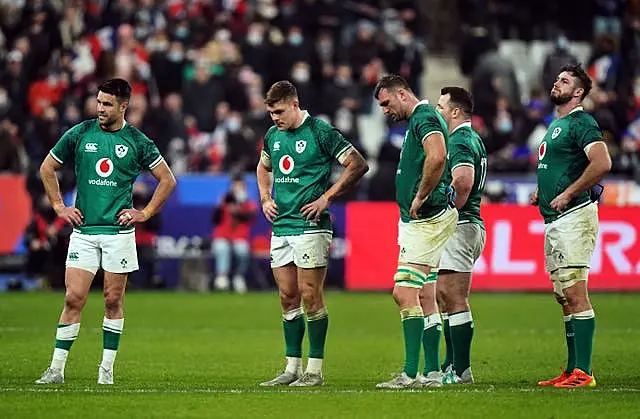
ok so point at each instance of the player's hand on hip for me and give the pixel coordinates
(533, 199)
(269, 208)
(416, 204)
(560, 202)
(72, 215)
(130, 216)
(313, 210)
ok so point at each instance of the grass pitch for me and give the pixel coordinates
(198, 356)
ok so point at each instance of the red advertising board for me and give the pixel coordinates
(15, 211)
(513, 257)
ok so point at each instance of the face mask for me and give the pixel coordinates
(182, 32)
(240, 195)
(233, 125)
(295, 39)
(505, 125)
(342, 81)
(254, 38)
(325, 48)
(404, 40)
(300, 75)
(175, 56)
(4, 100)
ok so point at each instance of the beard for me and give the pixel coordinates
(560, 99)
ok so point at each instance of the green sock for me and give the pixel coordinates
(412, 327)
(66, 334)
(111, 332)
(317, 322)
(584, 326)
(571, 343)
(431, 342)
(448, 357)
(293, 326)
(461, 325)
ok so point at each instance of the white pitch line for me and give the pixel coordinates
(490, 389)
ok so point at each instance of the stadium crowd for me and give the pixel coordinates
(200, 68)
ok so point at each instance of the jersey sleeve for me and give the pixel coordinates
(64, 149)
(265, 155)
(460, 154)
(427, 126)
(150, 156)
(586, 132)
(335, 145)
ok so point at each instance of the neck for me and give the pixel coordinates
(563, 110)
(455, 123)
(299, 119)
(116, 126)
(411, 102)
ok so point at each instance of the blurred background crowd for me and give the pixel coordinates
(200, 68)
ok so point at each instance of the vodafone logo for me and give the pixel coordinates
(104, 167)
(542, 150)
(286, 164)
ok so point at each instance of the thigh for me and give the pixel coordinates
(115, 284)
(84, 252)
(281, 253)
(220, 246)
(240, 247)
(570, 240)
(78, 281)
(287, 279)
(463, 248)
(119, 253)
(422, 243)
(311, 250)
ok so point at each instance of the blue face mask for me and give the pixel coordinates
(295, 39)
(505, 125)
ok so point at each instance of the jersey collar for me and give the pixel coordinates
(576, 109)
(464, 124)
(422, 102)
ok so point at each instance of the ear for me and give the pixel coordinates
(578, 92)
(124, 106)
(296, 103)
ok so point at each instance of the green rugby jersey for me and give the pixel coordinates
(301, 162)
(423, 121)
(467, 149)
(562, 158)
(106, 166)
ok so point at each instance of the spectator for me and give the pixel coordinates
(146, 234)
(232, 221)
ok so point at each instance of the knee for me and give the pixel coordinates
(289, 299)
(74, 300)
(220, 246)
(310, 295)
(113, 300)
(406, 296)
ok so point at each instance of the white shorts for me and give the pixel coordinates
(422, 242)
(305, 251)
(115, 253)
(463, 248)
(570, 240)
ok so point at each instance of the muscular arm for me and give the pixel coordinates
(599, 164)
(50, 181)
(436, 152)
(355, 166)
(265, 180)
(463, 178)
(166, 185)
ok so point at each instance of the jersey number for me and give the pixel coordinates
(483, 173)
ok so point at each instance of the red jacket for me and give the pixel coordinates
(235, 220)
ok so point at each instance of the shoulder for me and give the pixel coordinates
(135, 134)
(270, 132)
(83, 127)
(583, 119)
(319, 126)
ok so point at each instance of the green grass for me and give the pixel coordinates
(189, 355)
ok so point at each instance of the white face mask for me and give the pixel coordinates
(233, 124)
(240, 195)
(254, 38)
(300, 75)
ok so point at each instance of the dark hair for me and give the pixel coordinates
(120, 88)
(391, 82)
(578, 72)
(279, 91)
(460, 97)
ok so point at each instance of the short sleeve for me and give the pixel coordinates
(427, 126)
(64, 149)
(335, 145)
(586, 131)
(150, 156)
(460, 154)
(265, 154)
